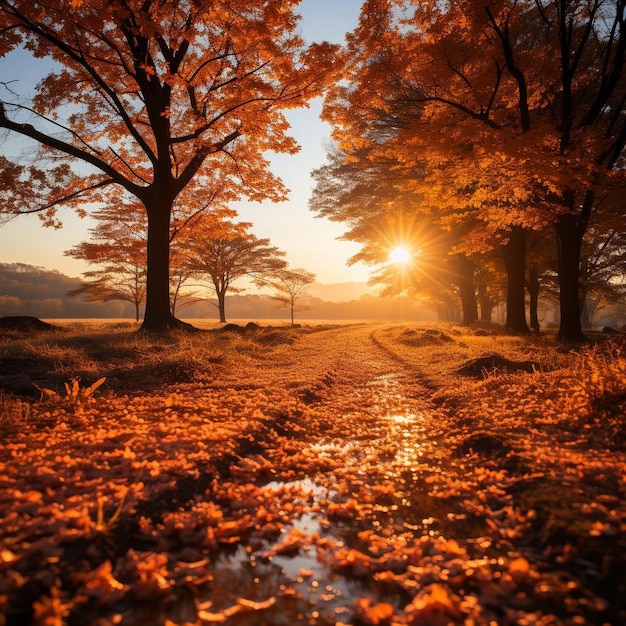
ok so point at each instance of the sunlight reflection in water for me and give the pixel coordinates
(334, 448)
(402, 419)
(306, 589)
(408, 438)
(302, 579)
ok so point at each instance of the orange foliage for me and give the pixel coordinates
(163, 99)
(433, 90)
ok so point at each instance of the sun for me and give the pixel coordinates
(400, 256)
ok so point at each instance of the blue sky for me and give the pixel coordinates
(308, 241)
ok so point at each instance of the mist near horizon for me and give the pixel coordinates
(40, 292)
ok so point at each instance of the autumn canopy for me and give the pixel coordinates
(487, 138)
(498, 123)
(161, 101)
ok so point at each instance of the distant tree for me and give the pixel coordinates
(162, 99)
(118, 249)
(290, 288)
(603, 271)
(490, 283)
(225, 252)
(541, 273)
(103, 286)
(179, 297)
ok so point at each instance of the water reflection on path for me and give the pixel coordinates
(298, 570)
(406, 424)
(306, 589)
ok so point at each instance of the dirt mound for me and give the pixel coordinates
(236, 328)
(428, 337)
(490, 363)
(262, 335)
(25, 323)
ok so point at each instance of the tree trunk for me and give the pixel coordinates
(485, 303)
(514, 254)
(221, 305)
(158, 315)
(569, 236)
(533, 292)
(464, 278)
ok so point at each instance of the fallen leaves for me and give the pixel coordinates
(434, 606)
(373, 614)
(249, 497)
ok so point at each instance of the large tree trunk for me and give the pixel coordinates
(514, 254)
(158, 315)
(569, 236)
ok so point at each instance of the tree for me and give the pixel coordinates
(289, 289)
(602, 272)
(225, 252)
(180, 297)
(118, 248)
(490, 285)
(363, 189)
(163, 99)
(185, 232)
(508, 114)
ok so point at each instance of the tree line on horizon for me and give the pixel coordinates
(43, 293)
(487, 137)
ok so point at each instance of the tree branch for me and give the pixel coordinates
(30, 131)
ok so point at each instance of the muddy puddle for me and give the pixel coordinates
(288, 581)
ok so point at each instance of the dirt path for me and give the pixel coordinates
(379, 429)
(374, 521)
(404, 521)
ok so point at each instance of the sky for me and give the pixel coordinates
(309, 242)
